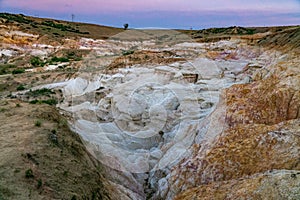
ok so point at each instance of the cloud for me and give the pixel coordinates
(175, 13)
(95, 6)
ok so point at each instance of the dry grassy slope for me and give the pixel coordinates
(259, 34)
(55, 30)
(61, 167)
(284, 40)
(53, 33)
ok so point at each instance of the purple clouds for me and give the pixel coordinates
(94, 6)
(163, 13)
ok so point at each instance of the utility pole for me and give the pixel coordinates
(73, 16)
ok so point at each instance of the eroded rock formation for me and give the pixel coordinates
(172, 118)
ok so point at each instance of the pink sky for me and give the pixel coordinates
(163, 13)
(94, 6)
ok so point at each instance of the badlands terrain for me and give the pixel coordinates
(95, 112)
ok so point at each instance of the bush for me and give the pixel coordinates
(20, 87)
(17, 18)
(250, 31)
(34, 25)
(62, 123)
(40, 92)
(73, 56)
(62, 27)
(18, 71)
(36, 62)
(39, 183)
(73, 197)
(3, 110)
(38, 123)
(4, 68)
(34, 101)
(29, 173)
(48, 101)
(61, 59)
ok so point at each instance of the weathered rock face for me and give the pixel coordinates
(241, 151)
(261, 134)
(270, 101)
(279, 184)
(11, 35)
(143, 120)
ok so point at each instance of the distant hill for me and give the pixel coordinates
(58, 28)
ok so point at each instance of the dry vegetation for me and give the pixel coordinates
(41, 158)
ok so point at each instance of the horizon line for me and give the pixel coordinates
(145, 27)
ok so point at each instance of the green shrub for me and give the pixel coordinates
(250, 31)
(65, 173)
(78, 59)
(62, 122)
(73, 56)
(48, 101)
(34, 101)
(4, 68)
(73, 197)
(61, 59)
(36, 62)
(62, 27)
(29, 173)
(3, 110)
(17, 18)
(34, 25)
(40, 92)
(18, 71)
(20, 87)
(38, 123)
(39, 183)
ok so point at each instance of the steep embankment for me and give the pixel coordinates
(260, 146)
(285, 40)
(51, 30)
(42, 159)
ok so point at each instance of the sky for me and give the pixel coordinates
(183, 14)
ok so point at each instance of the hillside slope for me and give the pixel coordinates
(57, 29)
(42, 159)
